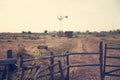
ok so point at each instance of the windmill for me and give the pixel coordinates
(60, 18)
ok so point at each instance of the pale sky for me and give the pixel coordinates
(40, 15)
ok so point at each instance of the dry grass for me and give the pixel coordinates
(59, 45)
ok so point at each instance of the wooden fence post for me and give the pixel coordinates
(9, 54)
(68, 66)
(101, 60)
(61, 71)
(21, 67)
(9, 71)
(52, 67)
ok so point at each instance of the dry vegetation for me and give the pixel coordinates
(28, 44)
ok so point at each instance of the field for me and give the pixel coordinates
(32, 44)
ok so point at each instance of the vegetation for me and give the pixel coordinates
(84, 41)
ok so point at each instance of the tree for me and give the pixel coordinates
(118, 31)
(29, 32)
(45, 31)
(23, 32)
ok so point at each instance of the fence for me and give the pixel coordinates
(20, 61)
(8, 63)
(51, 74)
(68, 65)
(111, 46)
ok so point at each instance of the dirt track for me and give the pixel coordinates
(84, 73)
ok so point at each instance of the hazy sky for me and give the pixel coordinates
(40, 15)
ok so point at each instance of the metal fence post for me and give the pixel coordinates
(104, 64)
(101, 60)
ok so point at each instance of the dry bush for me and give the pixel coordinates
(21, 49)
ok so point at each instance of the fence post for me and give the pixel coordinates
(51, 63)
(104, 64)
(101, 60)
(21, 67)
(61, 71)
(68, 66)
(9, 71)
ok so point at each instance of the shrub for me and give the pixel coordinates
(21, 49)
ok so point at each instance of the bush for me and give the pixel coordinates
(21, 49)
(29, 32)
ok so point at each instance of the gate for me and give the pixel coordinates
(111, 67)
